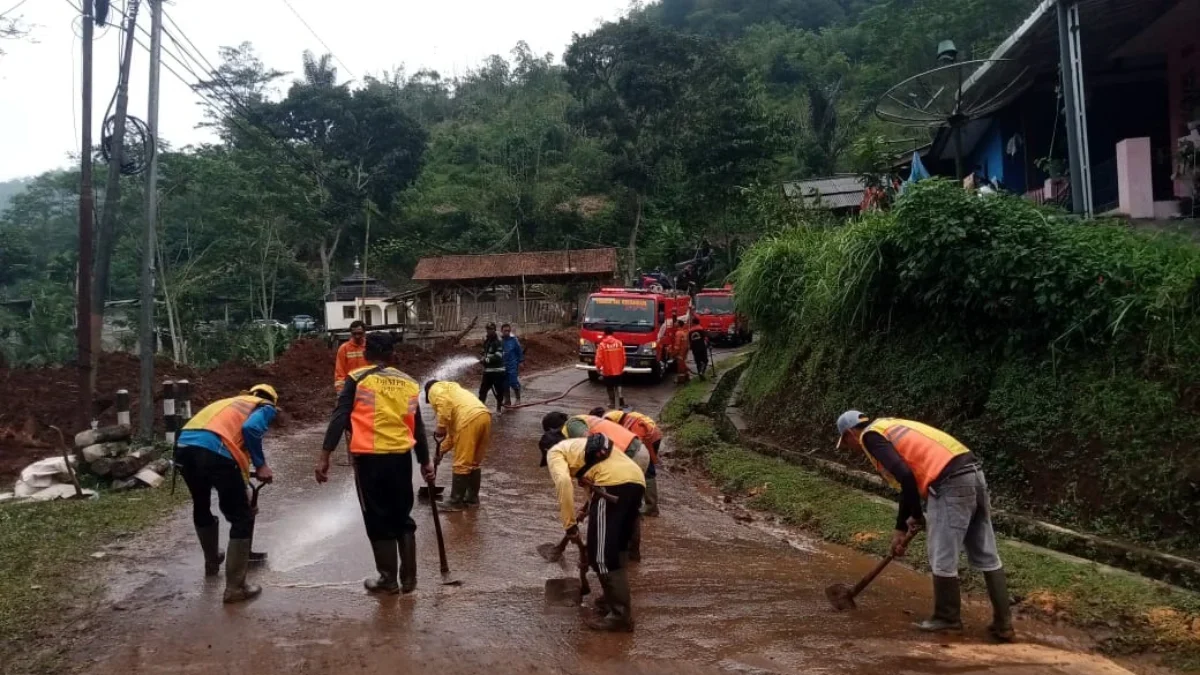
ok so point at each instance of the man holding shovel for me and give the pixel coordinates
(464, 427)
(593, 462)
(924, 462)
(381, 408)
(217, 449)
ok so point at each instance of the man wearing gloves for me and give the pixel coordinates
(464, 427)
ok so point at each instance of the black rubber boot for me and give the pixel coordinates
(210, 543)
(650, 509)
(947, 607)
(518, 392)
(236, 588)
(408, 562)
(458, 494)
(620, 608)
(386, 562)
(1001, 629)
(475, 478)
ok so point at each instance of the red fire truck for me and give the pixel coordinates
(643, 320)
(718, 318)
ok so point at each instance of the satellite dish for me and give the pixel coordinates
(946, 97)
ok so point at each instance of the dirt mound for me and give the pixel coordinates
(32, 399)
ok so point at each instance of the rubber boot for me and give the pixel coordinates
(408, 562)
(620, 610)
(1001, 629)
(210, 543)
(386, 562)
(650, 509)
(236, 588)
(621, 397)
(947, 607)
(473, 483)
(458, 493)
(518, 396)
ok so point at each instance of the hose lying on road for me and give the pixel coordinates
(549, 400)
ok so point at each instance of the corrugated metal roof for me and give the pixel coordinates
(1032, 49)
(351, 288)
(833, 192)
(544, 264)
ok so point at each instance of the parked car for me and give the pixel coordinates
(304, 323)
(270, 323)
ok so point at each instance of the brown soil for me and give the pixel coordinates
(32, 399)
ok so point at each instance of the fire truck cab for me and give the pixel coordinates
(643, 320)
(719, 319)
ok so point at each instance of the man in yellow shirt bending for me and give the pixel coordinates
(464, 427)
(593, 463)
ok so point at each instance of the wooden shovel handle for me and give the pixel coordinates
(887, 559)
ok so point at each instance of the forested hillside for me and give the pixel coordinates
(650, 133)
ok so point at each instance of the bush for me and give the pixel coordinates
(1066, 354)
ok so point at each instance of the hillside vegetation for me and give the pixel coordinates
(1066, 354)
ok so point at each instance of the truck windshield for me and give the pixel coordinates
(629, 315)
(714, 304)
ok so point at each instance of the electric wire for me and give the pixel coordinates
(314, 34)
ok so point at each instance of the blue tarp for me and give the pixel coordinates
(918, 172)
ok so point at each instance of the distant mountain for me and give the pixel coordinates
(10, 188)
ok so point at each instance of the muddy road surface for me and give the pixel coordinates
(714, 592)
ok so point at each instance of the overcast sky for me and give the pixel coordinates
(39, 79)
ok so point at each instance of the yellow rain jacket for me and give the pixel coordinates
(467, 421)
(566, 458)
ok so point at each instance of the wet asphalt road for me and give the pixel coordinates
(713, 594)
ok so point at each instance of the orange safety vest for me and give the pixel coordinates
(384, 418)
(225, 419)
(610, 357)
(621, 437)
(924, 449)
(349, 359)
(642, 426)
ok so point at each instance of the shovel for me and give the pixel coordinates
(256, 557)
(447, 578)
(554, 552)
(424, 491)
(569, 592)
(841, 596)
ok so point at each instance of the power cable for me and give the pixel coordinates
(314, 34)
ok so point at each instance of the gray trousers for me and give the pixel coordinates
(958, 515)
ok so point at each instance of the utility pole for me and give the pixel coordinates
(83, 296)
(107, 236)
(146, 334)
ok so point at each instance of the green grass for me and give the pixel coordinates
(1135, 615)
(685, 401)
(45, 563)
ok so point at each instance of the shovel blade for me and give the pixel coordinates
(550, 552)
(841, 596)
(563, 592)
(449, 580)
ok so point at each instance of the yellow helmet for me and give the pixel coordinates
(265, 391)
(614, 416)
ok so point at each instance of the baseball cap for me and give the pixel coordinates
(847, 421)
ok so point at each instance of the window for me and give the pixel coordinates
(347, 311)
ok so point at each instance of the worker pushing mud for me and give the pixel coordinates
(217, 449)
(926, 463)
(626, 441)
(596, 464)
(464, 427)
(647, 431)
(350, 355)
(381, 408)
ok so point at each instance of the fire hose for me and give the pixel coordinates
(549, 400)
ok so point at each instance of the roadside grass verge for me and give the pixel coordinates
(45, 556)
(1127, 614)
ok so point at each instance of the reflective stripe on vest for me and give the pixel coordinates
(924, 449)
(225, 419)
(384, 417)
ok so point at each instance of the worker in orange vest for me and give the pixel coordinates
(610, 363)
(680, 349)
(926, 463)
(381, 408)
(217, 449)
(350, 355)
(647, 431)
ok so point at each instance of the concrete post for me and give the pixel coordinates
(170, 421)
(123, 407)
